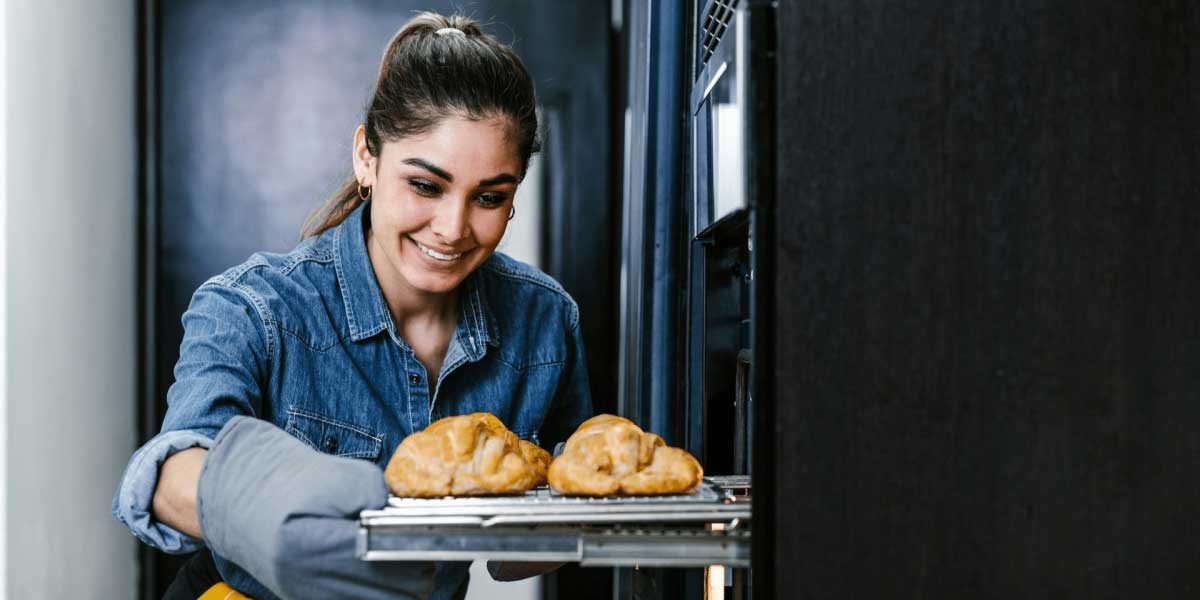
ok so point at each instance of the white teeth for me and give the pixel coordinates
(434, 253)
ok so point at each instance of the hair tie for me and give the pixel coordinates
(451, 31)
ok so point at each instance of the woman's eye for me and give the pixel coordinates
(424, 188)
(491, 200)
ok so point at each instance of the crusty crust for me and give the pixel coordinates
(465, 455)
(609, 455)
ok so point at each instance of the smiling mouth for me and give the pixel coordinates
(434, 254)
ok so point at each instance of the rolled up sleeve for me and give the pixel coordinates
(223, 362)
(131, 505)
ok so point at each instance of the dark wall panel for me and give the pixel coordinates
(988, 338)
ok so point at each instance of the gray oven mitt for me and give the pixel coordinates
(288, 515)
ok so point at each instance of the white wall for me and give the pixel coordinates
(3, 295)
(522, 240)
(68, 281)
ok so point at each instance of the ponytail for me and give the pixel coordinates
(333, 211)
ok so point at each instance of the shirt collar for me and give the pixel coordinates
(475, 319)
(366, 311)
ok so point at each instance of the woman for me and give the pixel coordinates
(394, 312)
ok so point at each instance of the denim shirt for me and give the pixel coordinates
(305, 340)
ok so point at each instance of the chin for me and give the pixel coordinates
(435, 282)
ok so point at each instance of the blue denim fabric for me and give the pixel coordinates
(305, 340)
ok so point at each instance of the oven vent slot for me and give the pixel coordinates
(716, 21)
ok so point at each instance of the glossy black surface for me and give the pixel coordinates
(987, 334)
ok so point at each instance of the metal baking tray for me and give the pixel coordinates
(542, 506)
(701, 528)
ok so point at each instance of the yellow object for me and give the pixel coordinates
(222, 591)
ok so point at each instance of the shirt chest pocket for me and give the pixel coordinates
(332, 436)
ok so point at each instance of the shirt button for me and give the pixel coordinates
(414, 379)
(331, 444)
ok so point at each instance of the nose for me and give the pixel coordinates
(450, 221)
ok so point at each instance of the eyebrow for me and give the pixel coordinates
(416, 162)
(501, 178)
(432, 168)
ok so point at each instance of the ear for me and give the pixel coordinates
(364, 163)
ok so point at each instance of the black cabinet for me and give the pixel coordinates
(985, 368)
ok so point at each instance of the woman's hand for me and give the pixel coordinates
(288, 515)
(174, 500)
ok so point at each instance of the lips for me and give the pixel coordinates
(436, 254)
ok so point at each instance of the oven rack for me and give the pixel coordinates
(708, 526)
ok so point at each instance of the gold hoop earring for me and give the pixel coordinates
(512, 212)
(361, 195)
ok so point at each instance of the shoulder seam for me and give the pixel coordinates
(295, 261)
(236, 273)
(547, 283)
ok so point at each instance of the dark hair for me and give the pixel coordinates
(426, 76)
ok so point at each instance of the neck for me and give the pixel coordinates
(409, 305)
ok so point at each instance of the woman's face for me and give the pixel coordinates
(439, 201)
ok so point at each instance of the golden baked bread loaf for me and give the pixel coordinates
(465, 455)
(538, 458)
(608, 455)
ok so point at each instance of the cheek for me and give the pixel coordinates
(489, 229)
(396, 214)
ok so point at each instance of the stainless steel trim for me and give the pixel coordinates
(605, 547)
(712, 83)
